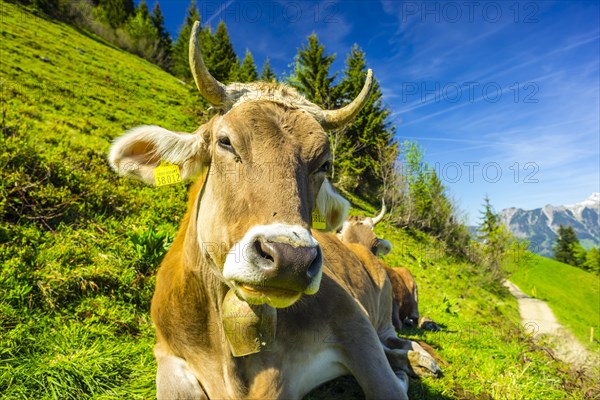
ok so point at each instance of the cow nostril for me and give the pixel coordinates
(264, 250)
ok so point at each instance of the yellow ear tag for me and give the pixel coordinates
(166, 174)
(318, 221)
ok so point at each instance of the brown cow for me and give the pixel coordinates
(405, 307)
(361, 230)
(249, 303)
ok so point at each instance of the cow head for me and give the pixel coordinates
(361, 230)
(264, 158)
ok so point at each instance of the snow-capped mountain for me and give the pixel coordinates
(539, 226)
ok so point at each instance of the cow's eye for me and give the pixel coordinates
(325, 167)
(225, 144)
(375, 247)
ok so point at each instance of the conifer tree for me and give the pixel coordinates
(221, 60)
(140, 26)
(564, 249)
(369, 132)
(180, 53)
(158, 21)
(247, 71)
(491, 231)
(489, 220)
(267, 74)
(164, 56)
(143, 34)
(416, 179)
(142, 10)
(311, 73)
(115, 12)
(441, 213)
(495, 240)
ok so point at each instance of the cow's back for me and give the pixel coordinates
(405, 292)
(360, 274)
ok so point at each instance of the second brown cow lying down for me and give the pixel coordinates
(405, 305)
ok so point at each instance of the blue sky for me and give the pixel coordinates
(503, 96)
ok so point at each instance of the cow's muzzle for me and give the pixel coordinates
(275, 264)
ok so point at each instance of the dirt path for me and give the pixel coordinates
(538, 320)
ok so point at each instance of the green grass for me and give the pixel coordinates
(79, 246)
(487, 355)
(572, 294)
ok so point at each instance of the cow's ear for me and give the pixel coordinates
(139, 151)
(384, 247)
(332, 206)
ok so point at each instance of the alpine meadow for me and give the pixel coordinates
(80, 246)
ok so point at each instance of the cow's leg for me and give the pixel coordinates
(394, 342)
(415, 363)
(408, 355)
(396, 316)
(403, 378)
(366, 361)
(175, 380)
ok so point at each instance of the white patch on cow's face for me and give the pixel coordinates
(369, 222)
(250, 273)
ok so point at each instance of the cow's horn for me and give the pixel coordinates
(210, 88)
(333, 119)
(379, 217)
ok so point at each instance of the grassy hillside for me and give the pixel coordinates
(79, 246)
(572, 294)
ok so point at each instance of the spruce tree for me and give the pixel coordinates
(221, 60)
(416, 170)
(370, 131)
(163, 57)
(495, 240)
(247, 71)
(489, 220)
(440, 215)
(564, 249)
(143, 34)
(115, 12)
(158, 21)
(142, 10)
(140, 26)
(267, 74)
(311, 73)
(180, 53)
